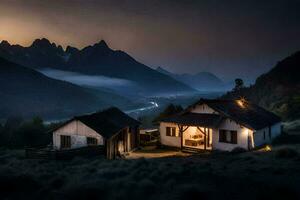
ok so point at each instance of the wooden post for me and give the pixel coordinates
(181, 135)
(208, 137)
(181, 132)
(205, 139)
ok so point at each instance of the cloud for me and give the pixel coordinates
(86, 80)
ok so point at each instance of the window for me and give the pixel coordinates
(171, 131)
(227, 136)
(65, 141)
(91, 141)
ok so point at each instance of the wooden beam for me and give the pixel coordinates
(181, 131)
(204, 132)
(208, 137)
(205, 141)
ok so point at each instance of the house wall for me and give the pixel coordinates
(259, 135)
(203, 108)
(242, 132)
(169, 140)
(242, 136)
(78, 132)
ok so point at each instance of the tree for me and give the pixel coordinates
(239, 83)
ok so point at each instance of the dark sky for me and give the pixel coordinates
(229, 38)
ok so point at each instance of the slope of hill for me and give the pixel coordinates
(98, 59)
(26, 92)
(202, 81)
(278, 90)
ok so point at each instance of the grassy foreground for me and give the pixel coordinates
(251, 175)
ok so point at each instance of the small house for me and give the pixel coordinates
(114, 130)
(220, 124)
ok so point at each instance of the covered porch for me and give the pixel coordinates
(196, 129)
(196, 137)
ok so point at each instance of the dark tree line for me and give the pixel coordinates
(17, 133)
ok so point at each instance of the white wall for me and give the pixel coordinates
(242, 136)
(78, 132)
(259, 135)
(169, 140)
(203, 108)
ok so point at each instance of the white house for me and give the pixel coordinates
(220, 124)
(110, 128)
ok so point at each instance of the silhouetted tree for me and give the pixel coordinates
(18, 134)
(239, 83)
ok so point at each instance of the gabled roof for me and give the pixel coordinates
(243, 112)
(195, 119)
(107, 122)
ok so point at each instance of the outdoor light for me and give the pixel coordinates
(241, 102)
(268, 148)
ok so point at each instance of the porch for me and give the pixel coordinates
(196, 129)
(195, 137)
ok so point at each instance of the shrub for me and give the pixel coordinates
(287, 139)
(286, 153)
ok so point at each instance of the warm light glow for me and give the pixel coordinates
(241, 102)
(268, 148)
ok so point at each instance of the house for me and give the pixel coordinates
(114, 130)
(220, 124)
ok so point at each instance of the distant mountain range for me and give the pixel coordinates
(278, 90)
(26, 92)
(202, 81)
(97, 60)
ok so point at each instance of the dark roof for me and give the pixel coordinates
(195, 119)
(248, 114)
(107, 122)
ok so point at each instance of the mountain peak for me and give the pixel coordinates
(4, 43)
(41, 43)
(71, 50)
(102, 44)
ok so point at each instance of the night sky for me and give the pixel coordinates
(229, 38)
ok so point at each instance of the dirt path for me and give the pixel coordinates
(152, 152)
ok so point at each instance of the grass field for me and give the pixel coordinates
(250, 175)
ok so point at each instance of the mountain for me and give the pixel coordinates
(26, 92)
(97, 59)
(278, 90)
(202, 81)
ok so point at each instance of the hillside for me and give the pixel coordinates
(202, 81)
(98, 59)
(278, 90)
(26, 92)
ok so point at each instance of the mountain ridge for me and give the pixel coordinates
(277, 90)
(27, 93)
(202, 81)
(97, 59)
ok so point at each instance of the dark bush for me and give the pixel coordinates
(286, 153)
(287, 139)
(238, 150)
(18, 134)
